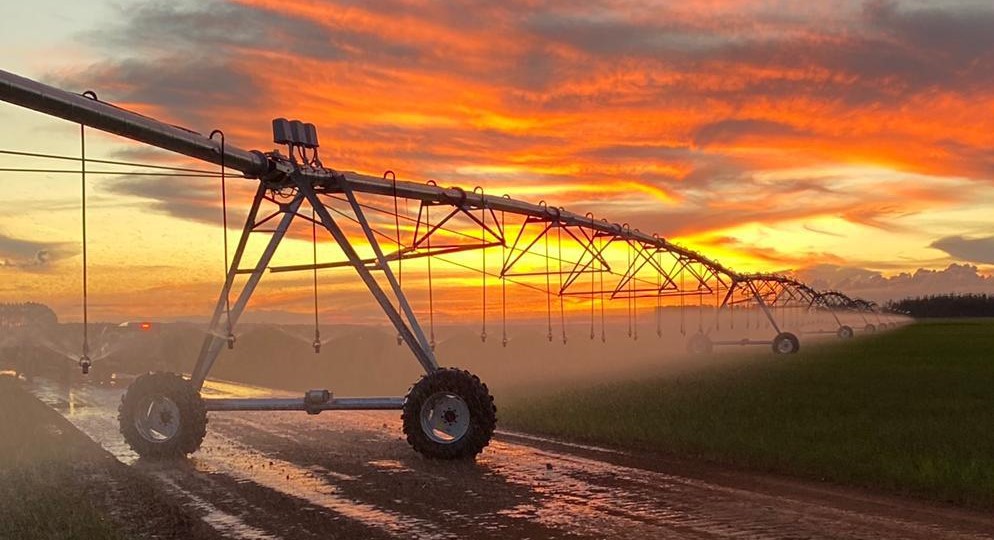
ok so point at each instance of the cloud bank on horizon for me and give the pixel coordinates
(849, 135)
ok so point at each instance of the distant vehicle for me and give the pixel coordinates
(129, 349)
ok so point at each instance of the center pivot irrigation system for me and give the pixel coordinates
(448, 413)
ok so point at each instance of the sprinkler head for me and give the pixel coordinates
(400, 340)
(231, 341)
(84, 364)
(317, 346)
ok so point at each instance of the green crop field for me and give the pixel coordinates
(910, 411)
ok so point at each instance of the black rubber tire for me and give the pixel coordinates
(845, 332)
(482, 414)
(870, 329)
(192, 416)
(779, 343)
(700, 344)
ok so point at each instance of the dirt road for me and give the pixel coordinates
(351, 475)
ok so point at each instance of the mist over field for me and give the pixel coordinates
(367, 360)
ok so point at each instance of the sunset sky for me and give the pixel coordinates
(851, 142)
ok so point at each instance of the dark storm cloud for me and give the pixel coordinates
(887, 50)
(976, 250)
(186, 198)
(608, 35)
(16, 252)
(733, 130)
(188, 88)
(214, 28)
(642, 152)
(193, 58)
(961, 36)
(181, 56)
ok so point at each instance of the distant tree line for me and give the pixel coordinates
(28, 314)
(946, 305)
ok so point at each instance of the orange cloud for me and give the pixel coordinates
(690, 120)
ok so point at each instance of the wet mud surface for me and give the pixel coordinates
(264, 475)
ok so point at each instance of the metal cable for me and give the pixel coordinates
(659, 287)
(224, 230)
(592, 279)
(548, 285)
(400, 258)
(483, 239)
(717, 304)
(635, 306)
(503, 281)
(603, 325)
(314, 252)
(105, 162)
(431, 297)
(683, 301)
(110, 173)
(86, 317)
(562, 306)
(630, 278)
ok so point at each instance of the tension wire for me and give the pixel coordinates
(84, 360)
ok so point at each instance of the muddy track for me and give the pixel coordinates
(351, 475)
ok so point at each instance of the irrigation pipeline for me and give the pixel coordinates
(281, 176)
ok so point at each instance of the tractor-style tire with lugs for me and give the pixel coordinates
(455, 398)
(786, 343)
(162, 416)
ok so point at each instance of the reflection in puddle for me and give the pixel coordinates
(389, 465)
(222, 522)
(240, 462)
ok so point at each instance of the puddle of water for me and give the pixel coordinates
(567, 444)
(236, 460)
(223, 522)
(389, 466)
(571, 494)
(216, 389)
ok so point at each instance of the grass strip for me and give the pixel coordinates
(42, 493)
(911, 411)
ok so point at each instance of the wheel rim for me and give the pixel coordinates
(157, 419)
(445, 417)
(785, 346)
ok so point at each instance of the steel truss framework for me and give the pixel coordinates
(290, 189)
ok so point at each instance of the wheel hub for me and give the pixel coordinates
(445, 417)
(157, 418)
